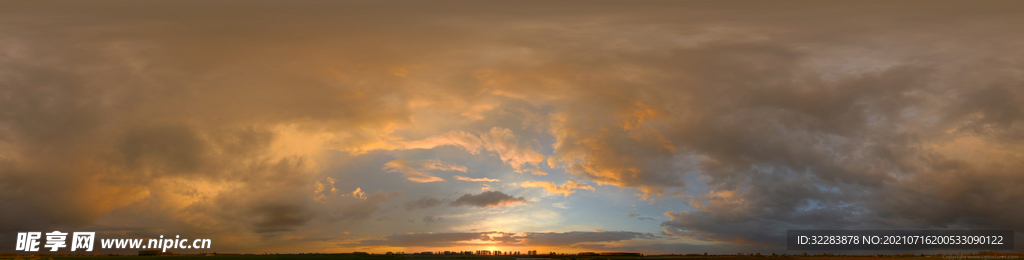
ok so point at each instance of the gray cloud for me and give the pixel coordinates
(640, 217)
(431, 220)
(274, 218)
(424, 203)
(487, 199)
(175, 148)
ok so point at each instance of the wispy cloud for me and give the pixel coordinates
(412, 174)
(436, 164)
(565, 189)
(461, 178)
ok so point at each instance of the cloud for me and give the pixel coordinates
(320, 190)
(175, 148)
(139, 130)
(640, 217)
(359, 194)
(275, 218)
(361, 209)
(416, 171)
(423, 203)
(567, 188)
(487, 199)
(470, 142)
(498, 140)
(411, 174)
(461, 178)
(441, 166)
(427, 220)
(840, 149)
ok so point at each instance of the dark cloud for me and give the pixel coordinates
(431, 220)
(487, 199)
(140, 128)
(640, 217)
(855, 152)
(275, 218)
(175, 148)
(423, 203)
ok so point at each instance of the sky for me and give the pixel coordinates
(558, 126)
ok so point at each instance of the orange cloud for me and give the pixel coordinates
(439, 165)
(501, 141)
(412, 174)
(461, 178)
(567, 188)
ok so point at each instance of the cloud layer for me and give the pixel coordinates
(280, 127)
